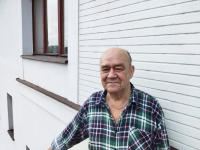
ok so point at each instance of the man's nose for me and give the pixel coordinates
(112, 74)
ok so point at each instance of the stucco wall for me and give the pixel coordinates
(10, 50)
(37, 118)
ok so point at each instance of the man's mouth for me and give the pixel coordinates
(112, 82)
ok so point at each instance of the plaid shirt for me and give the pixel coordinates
(140, 127)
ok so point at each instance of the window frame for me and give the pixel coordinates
(61, 29)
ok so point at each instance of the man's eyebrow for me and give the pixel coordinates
(104, 66)
(116, 65)
(119, 65)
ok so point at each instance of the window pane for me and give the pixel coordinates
(66, 28)
(52, 13)
(38, 24)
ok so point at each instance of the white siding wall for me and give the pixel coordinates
(163, 38)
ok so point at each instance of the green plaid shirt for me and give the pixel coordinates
(140, 127)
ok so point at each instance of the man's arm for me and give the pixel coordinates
(74, 133)
(162, 137)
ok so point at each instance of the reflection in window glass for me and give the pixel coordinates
(38, 26)
(65, 28)
(52, 12)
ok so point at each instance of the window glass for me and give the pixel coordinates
(65, 28)
(50, 26)
(38, 26)
(52, 21)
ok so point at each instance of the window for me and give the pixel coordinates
(50, 27)
(10, 117)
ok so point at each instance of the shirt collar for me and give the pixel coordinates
(101, 98)
(133, 97)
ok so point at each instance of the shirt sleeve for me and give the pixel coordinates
(161, 138)
(74, 133)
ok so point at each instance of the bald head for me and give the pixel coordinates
(117, 51)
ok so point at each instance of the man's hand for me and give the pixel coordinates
(49, 148)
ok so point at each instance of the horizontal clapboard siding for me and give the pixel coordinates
(149, 32)
(105, 27)
(148, 9)
(156, 49)
(127, 6)
(163, 38)
(181, 39)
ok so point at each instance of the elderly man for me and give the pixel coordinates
(119, 118)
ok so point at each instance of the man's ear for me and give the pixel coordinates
(132, 70)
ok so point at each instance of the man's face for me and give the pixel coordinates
(116, 71)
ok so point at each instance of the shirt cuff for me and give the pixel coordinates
(54, 145)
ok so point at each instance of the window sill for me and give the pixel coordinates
(50, 94)
(11, 133)
(46, 58)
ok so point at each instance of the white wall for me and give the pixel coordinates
(163, 40)
(37, 118)
(10, 45)
(45, 118)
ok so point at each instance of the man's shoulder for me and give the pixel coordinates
(145, 98)
(148, 103)
(143, 94)
(94, 98)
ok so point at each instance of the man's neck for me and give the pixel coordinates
(117, 103)
(119, 99)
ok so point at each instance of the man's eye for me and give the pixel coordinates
(118, 69)
(105, 69)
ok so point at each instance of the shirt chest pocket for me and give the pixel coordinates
(139, 139)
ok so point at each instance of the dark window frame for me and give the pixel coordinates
(45, 29)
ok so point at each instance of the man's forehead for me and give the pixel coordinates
(113, 58)
(108, 64)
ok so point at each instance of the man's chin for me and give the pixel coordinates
(112, 90)
(112, 84)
